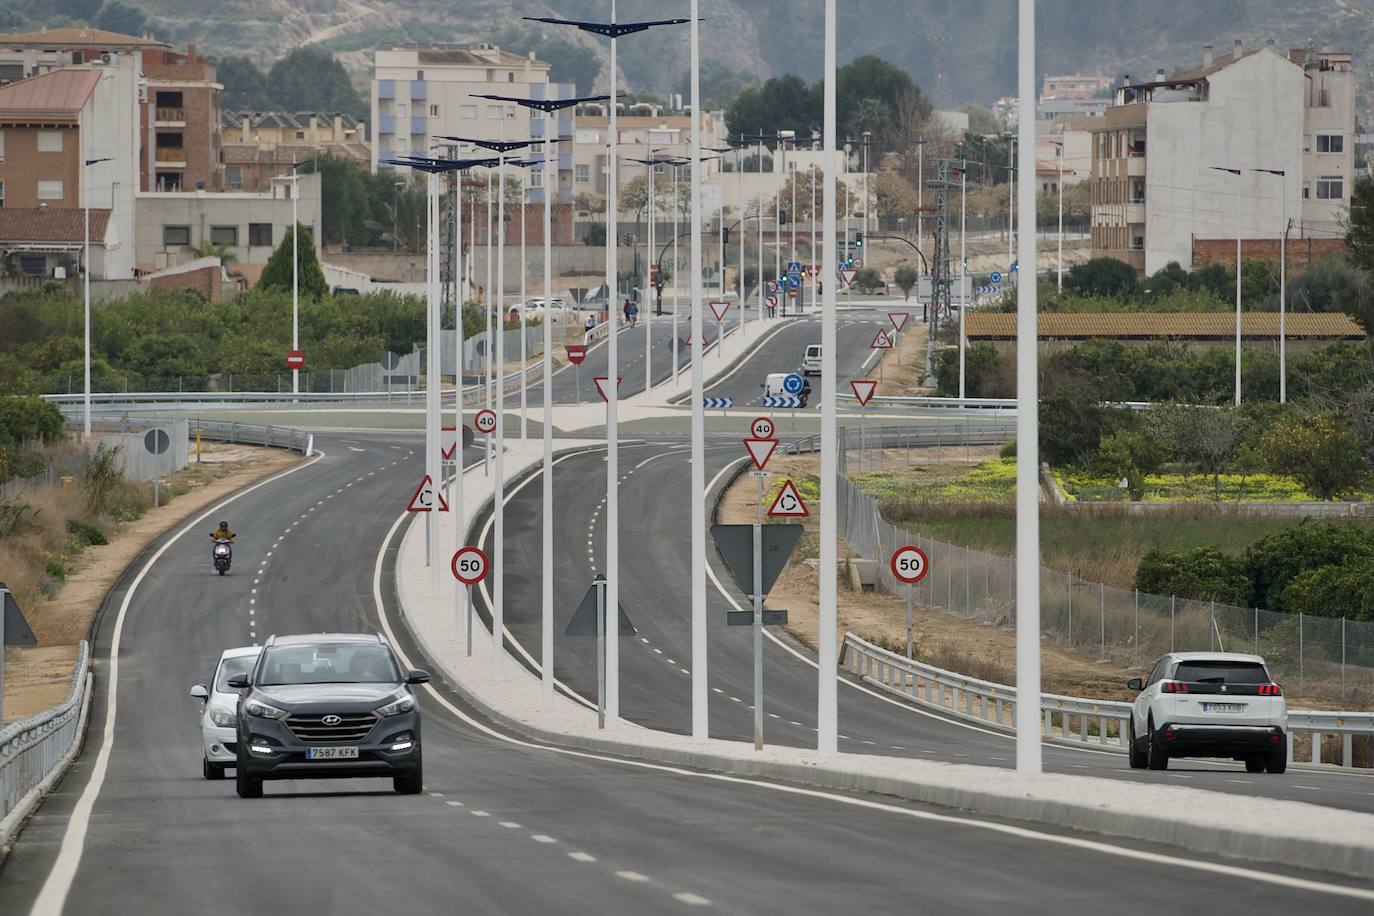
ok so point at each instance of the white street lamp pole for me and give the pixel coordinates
(700, 694)
(921, 192)
(295, 278)
(815, 277)
(1235, 172)
(676, 214)
(760, 216)
(498, 602)
(1060, 149)
(546, 616)
(612, 418)
(433, 380)
(524, 327)
(963, 288)
(743, 208)
(827, 711)
(649, 287)
(1028, 750)
(86, 296)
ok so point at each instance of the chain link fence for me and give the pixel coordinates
(1332, 657)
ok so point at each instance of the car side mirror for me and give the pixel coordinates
(417, 676)
(1135, 683)
(239, 681)
(199, 692)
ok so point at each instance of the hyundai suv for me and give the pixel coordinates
(1209, 704)
(327, 706)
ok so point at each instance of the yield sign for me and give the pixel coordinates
(789, 503)
(450, 438)
(881, 341)
(863, 390)
(760, 450)
(423, 498)
(847, 275)
(898, 319)
(601, 381)
(719, 307)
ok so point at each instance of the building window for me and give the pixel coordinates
(510, 77)
(224, 235)
(1306, 190)
(1330, 187)
(434, 111)
(169, 181)
(50, 190)
(1330, 143)
(582, 173)
(400, 109)
(300, 135)
(260, 235)
(493, 112)
(2, 193)
(536, 178)
(2, 146)
(419, 76)
(176, 236)
(50, 141)
(233, 177)
(467, 111)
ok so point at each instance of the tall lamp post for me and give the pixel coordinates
(1235, 172)
(293, 181)
(827, 690)
(613, 30)
(1283, 281)
(86, 295)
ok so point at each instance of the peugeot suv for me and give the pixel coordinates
(1209, 704)
(327, 706)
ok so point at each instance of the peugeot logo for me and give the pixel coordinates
(331, 720)
(1223, 689)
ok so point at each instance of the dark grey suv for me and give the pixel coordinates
(328, 706)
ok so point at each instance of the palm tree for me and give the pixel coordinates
(208, 249)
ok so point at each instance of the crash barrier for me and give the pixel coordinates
(1063, 719)
(31, 749)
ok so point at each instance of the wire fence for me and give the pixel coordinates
(1332, 657)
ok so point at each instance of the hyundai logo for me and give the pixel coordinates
(331, 720)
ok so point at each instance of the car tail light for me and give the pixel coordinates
(1270, 690)
(1173, 687)
(1168, 734)
(1275, 738)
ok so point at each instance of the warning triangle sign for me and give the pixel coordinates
(583, 622)
(601, 381)
(863, 390)
(898, 319)
(719, 307)
(423, 498)
(881, 341)
(788, 503)
(761, 450)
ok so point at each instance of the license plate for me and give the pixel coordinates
(331, 753)
(1223, 707)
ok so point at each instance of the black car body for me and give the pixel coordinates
(328, 706)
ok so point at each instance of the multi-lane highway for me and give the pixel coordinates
(504, 826)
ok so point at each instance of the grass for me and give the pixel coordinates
(1268, 488)
(992, 481)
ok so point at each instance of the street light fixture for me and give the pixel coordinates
(86, 296)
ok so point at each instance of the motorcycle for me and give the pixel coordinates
(221, 555)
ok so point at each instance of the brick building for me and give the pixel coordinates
(256, 146)
(182, 116)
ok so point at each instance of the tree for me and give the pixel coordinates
(1131, 455)
(1207, 437)
(245, 86)
(344, 209)
(1320, 452)
(906, 278)
(1101, 277)
(1275, 561)
(980, 120)
(80, 10)
(869, 279)
(208, 249)
(782, 103)
(868, 91)
(1359, 225)
(893, 194)
(310, 79)
(1072, 424)
(122, 18)
(277, 274)
(1202, 574)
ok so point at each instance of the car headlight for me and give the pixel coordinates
(222, 716)
(404, 704)
(261, 709)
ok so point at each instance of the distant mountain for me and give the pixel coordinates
(956, 50)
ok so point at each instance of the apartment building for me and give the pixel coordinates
(1074, 86)
(257, 146)
(645, 131)
(421, 93)
(1285, 123)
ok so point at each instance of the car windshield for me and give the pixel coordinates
(1222, 672)
(229, 667)
(348, 664)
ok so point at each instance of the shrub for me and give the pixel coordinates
(1324, 455)
(869, 279)
(29, 418)
(1204, 574)
(1008, 450)
(101, 477)
(87, 534)
(15, 517)
(1332, 591)
(56, 568)
(1273, 562)
(1101, 277)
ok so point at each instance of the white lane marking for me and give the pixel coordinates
(510, 825)
(581, 857)
(480, 813)
(542, 838)
(52, 897)
(436, 795)
(1242, 782)
(632, 876)
(1313, 788)
(454, 804)
(1027, 833)
(691, 899)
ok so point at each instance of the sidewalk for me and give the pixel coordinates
(1293, 833)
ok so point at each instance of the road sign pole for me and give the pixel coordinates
(908, 621)
(577, 381)
(546, 641)
(700, 693)
(827, 722)
(499, 504)
(601, 651)
(466, 591)
(758, 635)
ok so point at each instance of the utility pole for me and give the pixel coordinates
(941, 279)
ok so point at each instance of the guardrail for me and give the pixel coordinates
(295, 440)
(1064, 720)
(32, 748)
(896, 437)
(989, 404)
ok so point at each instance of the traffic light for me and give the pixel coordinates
(782, 216)
(725, 235)
(858, 238)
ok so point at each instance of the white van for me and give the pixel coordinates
(811, 360)
(772, 384)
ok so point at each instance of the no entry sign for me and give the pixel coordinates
(910, 564)
(295, 359)
(470, 565)
(576, 353)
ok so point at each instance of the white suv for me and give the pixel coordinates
(217, 718)
(1209, 704)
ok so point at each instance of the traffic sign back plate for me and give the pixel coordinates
(736, 546)
(583, 622)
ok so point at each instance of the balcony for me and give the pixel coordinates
(171, 117)
(386, 89)
(171, 155)
(1135, 211)
(419, 125)
(418, 90)
(386, 125)
(1135, 165)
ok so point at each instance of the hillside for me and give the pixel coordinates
(957, 50)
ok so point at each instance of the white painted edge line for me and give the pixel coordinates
(760, 782)
(52, 896)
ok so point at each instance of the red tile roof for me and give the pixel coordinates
(56, 95)
(50, 224)
(77, 37)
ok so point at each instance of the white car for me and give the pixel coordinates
(221, 705)
(534, 309)
(1209, 704)
(811, 360)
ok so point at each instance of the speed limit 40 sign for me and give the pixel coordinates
(910, 564)
(485, 421)
(470, 565)
(763, 428)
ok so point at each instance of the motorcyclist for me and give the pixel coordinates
(222, 533)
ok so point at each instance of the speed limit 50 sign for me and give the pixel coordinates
(910, 564)
(470, 565)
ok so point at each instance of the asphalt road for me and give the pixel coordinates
(505, 826)
(655, 591)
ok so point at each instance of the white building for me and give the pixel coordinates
(421, 93)
(1285, 122)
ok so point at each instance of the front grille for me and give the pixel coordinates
(353, 727)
